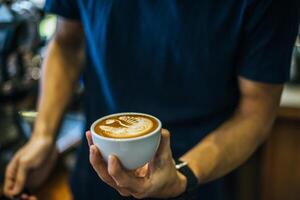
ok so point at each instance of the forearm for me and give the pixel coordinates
(227, 147)
(236, 139)
(60, 74)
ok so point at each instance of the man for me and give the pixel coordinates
(212, 71)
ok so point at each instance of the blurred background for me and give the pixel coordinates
(272, 173)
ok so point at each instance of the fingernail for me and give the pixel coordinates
(111, 159)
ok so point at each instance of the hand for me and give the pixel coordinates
(27, 197)
(157, 179)
(30, 166)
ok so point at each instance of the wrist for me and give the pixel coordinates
(182, 182)
(43, 139)
(179, 186)
(187, 172)
(43, 133)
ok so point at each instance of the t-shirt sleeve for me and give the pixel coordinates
(269, 35)
(64, 8)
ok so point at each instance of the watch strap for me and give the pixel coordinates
(192, 181)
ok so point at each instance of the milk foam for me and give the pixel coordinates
(126, 126)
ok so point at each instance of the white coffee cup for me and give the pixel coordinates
(132, 152)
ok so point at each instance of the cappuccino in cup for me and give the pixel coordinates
(126, 126)
(132, 137)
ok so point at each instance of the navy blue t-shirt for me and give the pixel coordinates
(180, 60)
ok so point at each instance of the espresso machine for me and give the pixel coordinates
(19, 47)
(22, 47)
(19, 70)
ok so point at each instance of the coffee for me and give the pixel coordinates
(126, 126)
(132, 137)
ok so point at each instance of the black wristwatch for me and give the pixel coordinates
(192, 181)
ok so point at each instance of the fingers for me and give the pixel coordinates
(10, 176)
(20, 179)
(115, 171)
(164, 148)
(89, 138)
(163, 154)
(27, 197)
(99, 165)
(125, 179)
(15, 176)
(143, 171)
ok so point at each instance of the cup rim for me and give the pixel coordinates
(125, 139)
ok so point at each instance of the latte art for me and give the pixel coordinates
(126, 126)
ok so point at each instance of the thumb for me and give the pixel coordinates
(164, 150)
(10, 176)
(20, 179)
